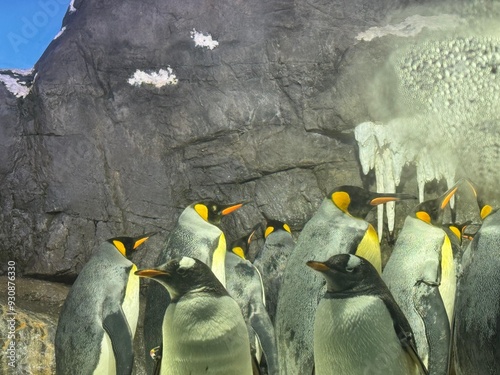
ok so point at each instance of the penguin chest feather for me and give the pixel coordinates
(356, 336)
(205, 335)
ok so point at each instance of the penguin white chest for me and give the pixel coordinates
(356, 336)
(205, 335)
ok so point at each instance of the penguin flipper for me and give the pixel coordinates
(264, 330)
(118, 330)
(429, 305)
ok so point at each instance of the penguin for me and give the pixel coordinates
(203, 329)
(421, 276)
(358, 327)
(99, 317)
(476, 342)
(337, 227)
(244, 284)
(271, 260)
(196, 235)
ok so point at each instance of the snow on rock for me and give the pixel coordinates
(17, 82)
(60, 32)
(72, 8)
(158, 79)
(412, 26)
(203, 40)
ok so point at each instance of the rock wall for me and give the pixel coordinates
(246, 100)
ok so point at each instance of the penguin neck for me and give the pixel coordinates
(364, 291)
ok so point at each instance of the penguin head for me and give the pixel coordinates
(431, 211)
(346, 273)
(484, 209)
(458, 230)
(213, 212)
(358, 202)
(127, 245)
(275, 225)
(185, 275)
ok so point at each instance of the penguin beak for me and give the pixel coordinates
(317, 266)
(231, 208)
(445, 198)
(382, 198)
(151, 273)
(140, 240)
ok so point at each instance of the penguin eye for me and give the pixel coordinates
(181, 271)
(349, 269)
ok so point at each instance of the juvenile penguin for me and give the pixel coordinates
(244, 284)
(203, 329)
(98, 319)
(477, 315)
(337, 227)
(272, 259)
(421, 276)
(196, 235)
(358, 327)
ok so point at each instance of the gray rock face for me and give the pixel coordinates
(267, 115)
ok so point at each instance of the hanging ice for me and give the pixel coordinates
(387, 148)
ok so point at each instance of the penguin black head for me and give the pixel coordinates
(358, 202)
(127, 245)
(274, 225)
(213, 212)
(432, 211)
(346, 273)
(484, 209)
(185, 275)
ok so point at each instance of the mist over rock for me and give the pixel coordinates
(140, 108)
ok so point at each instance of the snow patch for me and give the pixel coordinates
(16, 87)
(353, 262)
(72, 8)
(412, 26)
(203, 40)
(387, 148)
(158, 79)
(60, 32)
(186, 263)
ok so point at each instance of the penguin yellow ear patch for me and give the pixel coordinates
(121, 247)
(485, 211)
(239, 251)
(202, 210)
(287, 228)
(342, 200)
(456, 231)
(424, 216)
(268, 231)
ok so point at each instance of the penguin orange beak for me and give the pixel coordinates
(140, 240)
(230, 209)
(447, 197)
(318, 266)
(151, 273)
(385, 198)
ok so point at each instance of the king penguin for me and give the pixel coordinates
(196, 235)
(337, 227)
(244, 284)
(421, 276)
(358, 327)
(477, 315)
(272, 259)
(203, 329)
(98, 319)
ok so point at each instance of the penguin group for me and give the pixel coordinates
(316, 302)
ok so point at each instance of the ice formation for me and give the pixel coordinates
(158, 79)
(452, 88)
(203, 40)
(72, 8)
(412, 26)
